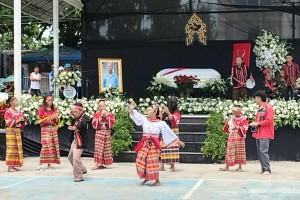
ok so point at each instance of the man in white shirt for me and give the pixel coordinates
(35, 79)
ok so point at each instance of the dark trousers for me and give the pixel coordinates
(36, 92)
(239, 93)
(78, 90)
(262, 147)
(289, 93)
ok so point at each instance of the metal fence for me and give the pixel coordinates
(45, 83)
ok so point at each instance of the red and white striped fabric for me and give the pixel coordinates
(103, 123)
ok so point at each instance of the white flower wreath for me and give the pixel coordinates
(270, 51)
(66, 79)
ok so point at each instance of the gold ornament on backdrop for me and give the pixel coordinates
(195, 27)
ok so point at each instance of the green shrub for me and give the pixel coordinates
(122, 129)
(215, 141)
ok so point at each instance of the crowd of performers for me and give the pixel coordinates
(152, 150)
(48, 119)
(280, 85)
(149, 149)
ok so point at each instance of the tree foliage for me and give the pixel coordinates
(33, 37)
(70, 30)
(32, 32)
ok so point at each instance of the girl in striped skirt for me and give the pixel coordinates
(103, 122)
(48, 120)
(171, 116)
(14, 122)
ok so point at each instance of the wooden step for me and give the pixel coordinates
(193, 118)
(192, 136)
(191, 127)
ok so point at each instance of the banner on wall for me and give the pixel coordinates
(243, 50)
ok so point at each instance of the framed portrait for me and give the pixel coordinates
(110, 74)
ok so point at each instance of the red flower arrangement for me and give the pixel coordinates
(185, 83)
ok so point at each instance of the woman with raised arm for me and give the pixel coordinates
(148, 148)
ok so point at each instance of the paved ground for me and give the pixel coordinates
(189, 181)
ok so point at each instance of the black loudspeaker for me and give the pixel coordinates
(2, 146)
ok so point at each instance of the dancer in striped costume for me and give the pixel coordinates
(48, 120)
(79, 141)
(14, 122)
(148, 148)
(236, 128)
(102, 122)
(171, 116)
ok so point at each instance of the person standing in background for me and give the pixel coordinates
(68, 67)
(240, 73)
(10, 87)
(35, 82)
(271, 87)
(291, 74)
(61, 89)
(281, 84)
(51, 77)
(79, 84)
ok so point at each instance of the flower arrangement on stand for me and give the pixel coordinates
(66, 79)
(270, 51)
(185, 84)
(215, 87)
(161, 86)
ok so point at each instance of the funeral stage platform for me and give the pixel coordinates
(285, 146)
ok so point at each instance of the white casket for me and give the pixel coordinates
(202, 74)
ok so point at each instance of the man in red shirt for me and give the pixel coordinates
(263, 130)
(291, 71)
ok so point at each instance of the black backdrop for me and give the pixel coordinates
(32, 141)
(149, 41)
(142, 60)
